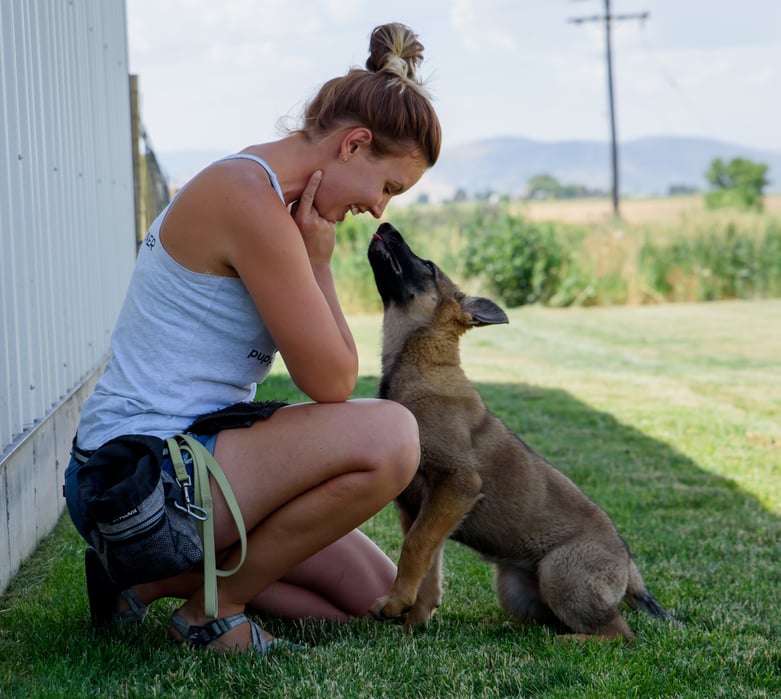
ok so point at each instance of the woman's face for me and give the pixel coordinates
(365, 183)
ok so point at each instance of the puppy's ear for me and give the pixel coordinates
(483, 311)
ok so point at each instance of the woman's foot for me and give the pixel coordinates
(108, 605)
(234, 633)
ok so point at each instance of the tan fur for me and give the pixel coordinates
(559, 559)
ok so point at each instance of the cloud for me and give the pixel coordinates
(470, 18)
(344, 10)
(219, 75)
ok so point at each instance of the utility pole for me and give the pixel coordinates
(608, 18)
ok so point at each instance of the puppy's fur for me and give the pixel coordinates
(559, 559)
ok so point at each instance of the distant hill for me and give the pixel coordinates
(647, 166)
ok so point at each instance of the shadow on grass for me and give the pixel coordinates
(708, 551)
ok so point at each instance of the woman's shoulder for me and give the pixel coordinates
(238, 175)
(221, 208)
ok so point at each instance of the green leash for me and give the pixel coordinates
(203, 509)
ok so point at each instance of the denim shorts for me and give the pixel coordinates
(77, 508)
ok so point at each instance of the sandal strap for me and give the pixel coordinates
(137, 610)
(201, 636)
(260, 644)
(264, 647)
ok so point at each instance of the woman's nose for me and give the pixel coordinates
(379, 207)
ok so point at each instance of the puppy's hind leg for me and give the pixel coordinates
(584, 585)
(519, 595)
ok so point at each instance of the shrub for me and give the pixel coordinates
(716, 265)
(357, 291)
(738, 183)
(490, 250)
(523, 262)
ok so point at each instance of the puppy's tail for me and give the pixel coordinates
(638, 597)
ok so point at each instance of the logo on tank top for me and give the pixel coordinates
(150, 241)
(262, 357)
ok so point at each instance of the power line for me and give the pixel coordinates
(705, 125)
(608, 18)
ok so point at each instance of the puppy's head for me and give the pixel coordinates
(416, 293)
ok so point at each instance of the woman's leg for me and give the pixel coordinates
(339, 582)
(304, 479)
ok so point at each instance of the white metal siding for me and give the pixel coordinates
(67, 237)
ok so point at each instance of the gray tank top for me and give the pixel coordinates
(185, 344)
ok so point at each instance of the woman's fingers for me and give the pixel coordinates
(306, 202)
(318, 234)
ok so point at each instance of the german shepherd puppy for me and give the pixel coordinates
(559, 559)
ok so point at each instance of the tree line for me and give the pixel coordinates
(738, 183)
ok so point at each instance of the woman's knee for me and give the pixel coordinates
(394, 443)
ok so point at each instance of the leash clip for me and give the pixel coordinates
(194, 511)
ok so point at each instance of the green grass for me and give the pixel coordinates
(668, 416)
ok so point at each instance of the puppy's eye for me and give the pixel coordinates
(430, 265)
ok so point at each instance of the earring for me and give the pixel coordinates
(344, 157)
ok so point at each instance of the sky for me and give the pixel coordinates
(218, 76)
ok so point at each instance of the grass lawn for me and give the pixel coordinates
(668, 416)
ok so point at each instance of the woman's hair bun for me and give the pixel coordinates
(394, 49)
(401, 120)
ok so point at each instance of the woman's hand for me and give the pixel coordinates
(319, 235)
(282, 257)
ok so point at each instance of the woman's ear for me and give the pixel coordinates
(353, 141)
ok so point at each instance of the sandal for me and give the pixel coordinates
(102, 594)
(201, 636)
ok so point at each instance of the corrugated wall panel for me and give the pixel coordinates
(67, 237)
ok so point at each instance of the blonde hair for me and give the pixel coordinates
(388, 97)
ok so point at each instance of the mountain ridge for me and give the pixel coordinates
(648, 166)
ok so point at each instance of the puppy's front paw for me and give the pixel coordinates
(420, 614)
(388, 608)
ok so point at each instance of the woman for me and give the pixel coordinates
(237, 268)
